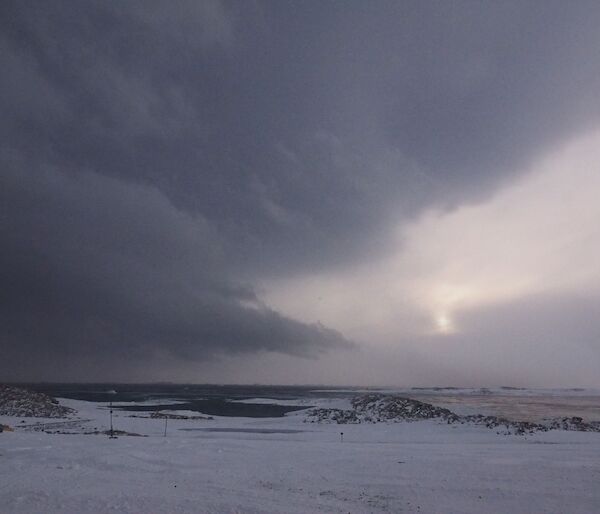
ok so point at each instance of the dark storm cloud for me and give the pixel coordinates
(295, 127)
(94, 268)
(156, 155)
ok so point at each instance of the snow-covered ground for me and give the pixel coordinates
(286, 465)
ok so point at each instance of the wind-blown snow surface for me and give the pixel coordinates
(292, 467)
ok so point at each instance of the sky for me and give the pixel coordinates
(346, 193)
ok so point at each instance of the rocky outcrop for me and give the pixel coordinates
(377, 408)
(574, 423)
(333, 416)
(374, 408)
(380, 407)
(503, 425)
(15, 401)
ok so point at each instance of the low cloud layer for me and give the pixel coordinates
(100, 272)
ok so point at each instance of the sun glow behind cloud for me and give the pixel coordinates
(540, 234)
(444, 324)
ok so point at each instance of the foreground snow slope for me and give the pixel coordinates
(405, 467)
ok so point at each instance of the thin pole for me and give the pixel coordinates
(166, 419)
(112, 431)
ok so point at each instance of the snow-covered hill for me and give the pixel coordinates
(377, 408)
(15, 401)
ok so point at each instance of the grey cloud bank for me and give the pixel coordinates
(162, 161)
(99, 271)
